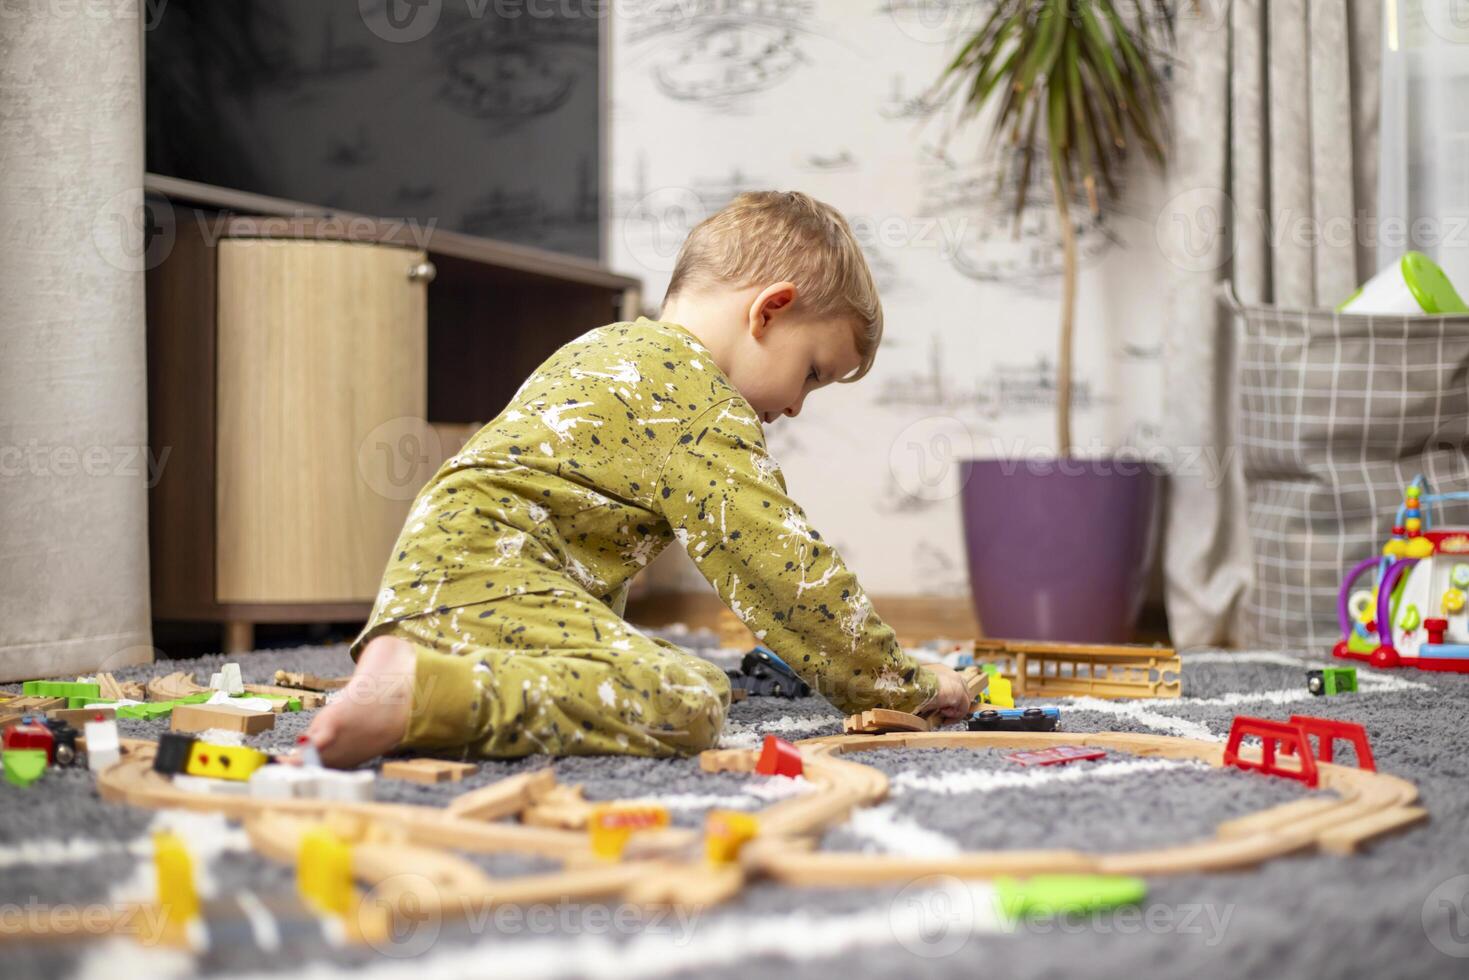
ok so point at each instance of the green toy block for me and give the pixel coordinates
(70, 690)
(151, 710)
(23, 766)
(992, 669)
(1043, 895)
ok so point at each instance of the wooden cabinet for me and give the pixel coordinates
(322, 348)
(306, 376)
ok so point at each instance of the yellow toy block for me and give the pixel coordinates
(999, 693)
(611, 826)
(725, 832)
(236, 762)
(178, 901)
(324, 872)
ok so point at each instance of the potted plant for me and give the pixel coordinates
(1059, 549)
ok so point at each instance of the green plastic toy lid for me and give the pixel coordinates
(1430, 286)
(1059, 894)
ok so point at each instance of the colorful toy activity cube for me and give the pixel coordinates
(1414, 614)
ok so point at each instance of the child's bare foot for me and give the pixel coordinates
(370, 716)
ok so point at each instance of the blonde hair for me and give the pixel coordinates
(764, 237)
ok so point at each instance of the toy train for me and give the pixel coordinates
(183, 754)
(1015, 720)
(763, 674)
(1415, 614)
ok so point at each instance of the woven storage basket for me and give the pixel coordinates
(1337, 413)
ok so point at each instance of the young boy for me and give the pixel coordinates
(498, 630)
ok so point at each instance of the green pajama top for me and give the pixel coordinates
(624, 440)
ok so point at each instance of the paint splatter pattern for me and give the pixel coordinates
(512, 569)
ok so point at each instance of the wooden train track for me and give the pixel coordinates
(403, 850)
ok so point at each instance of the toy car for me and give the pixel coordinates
(763, 674)
(1332, 680)
(1015, 720)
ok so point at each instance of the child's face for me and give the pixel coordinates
(780, 360)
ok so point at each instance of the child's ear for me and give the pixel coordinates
(770, 303)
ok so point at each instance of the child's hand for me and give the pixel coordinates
(952, 700)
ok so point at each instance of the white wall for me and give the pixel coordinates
(823, 97)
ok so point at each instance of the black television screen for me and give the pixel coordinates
(480, 117)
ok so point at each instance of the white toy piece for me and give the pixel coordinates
(103, 747)
(280, 782)
(212, 787)
(355, 786)
(228, 680)
(246, 704)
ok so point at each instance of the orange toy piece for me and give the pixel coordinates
(778, 758)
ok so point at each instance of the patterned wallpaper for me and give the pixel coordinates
(828, 96)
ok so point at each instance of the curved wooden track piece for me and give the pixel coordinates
(1368, 804)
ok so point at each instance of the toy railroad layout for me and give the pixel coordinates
(343, 843)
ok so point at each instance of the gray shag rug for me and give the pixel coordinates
(1400, 909)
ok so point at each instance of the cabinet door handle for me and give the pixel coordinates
(422, 272)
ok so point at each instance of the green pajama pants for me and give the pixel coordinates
(554, 673)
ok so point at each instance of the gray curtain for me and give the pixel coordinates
(73, 418)
(1274, 176)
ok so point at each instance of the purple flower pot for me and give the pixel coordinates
(1059, 549)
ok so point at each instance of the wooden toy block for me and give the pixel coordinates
(103, 747)
(171, 687)
(504, 798)
(881, 720)
(206, 784)
(199, 717)
(109, 688)
(560, 806)
(309, 700)
(14, 709)
(427, 771)
(353, 786)
(281, 782)
(309, 682)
